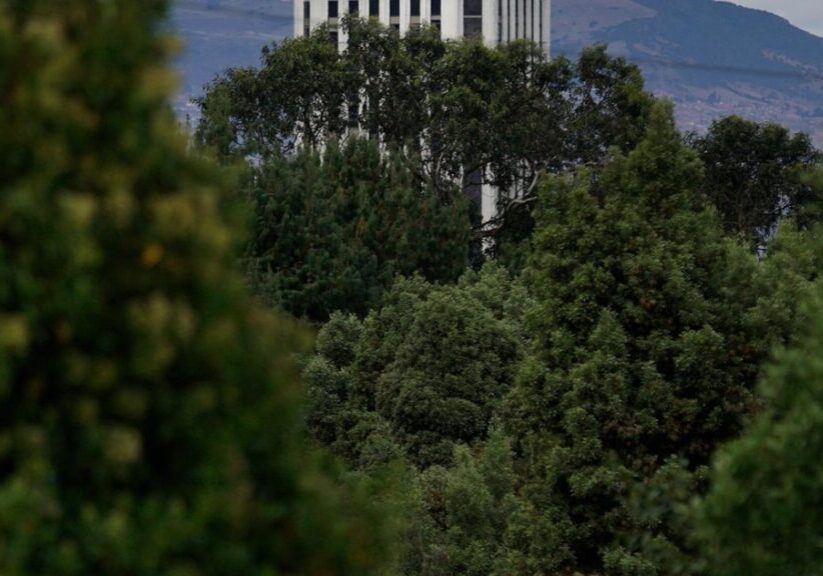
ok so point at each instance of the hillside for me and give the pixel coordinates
(218, 34)
(712, 58)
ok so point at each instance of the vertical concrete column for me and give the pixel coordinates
(547, 26)
(298, 18)
(452, 19)
(384, 12)
(319, 12)
(490, 22)
(488, 202)
(405, 15)
(425, 11)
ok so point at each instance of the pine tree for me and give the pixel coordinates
(149, 413)
(331, 233)
(645, 359)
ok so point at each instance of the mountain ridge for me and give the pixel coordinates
(743, 61)
(711, 58)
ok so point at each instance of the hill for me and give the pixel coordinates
(712, 58)
(218, 34)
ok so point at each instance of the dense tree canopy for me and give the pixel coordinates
(647, 353)
(555, 422)
(149, 416)
(754, 175)
(431, 364)
(757, 519)
(460, 107)
(332, 232)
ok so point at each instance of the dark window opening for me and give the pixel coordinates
(354, 110)
(435, 7)
(334, 37)
(332, 8)
(415, 7)
(354, 7)
(374, 7)
(508, 19)
(472, 7)
(473, 187)
(500, 21)
(472, 27)
(394, 8)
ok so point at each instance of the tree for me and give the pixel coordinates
(331, 233)
(427, 370)
(645, 360)
(149, 411)
(505, 114)
(756, 519)
(754, 176)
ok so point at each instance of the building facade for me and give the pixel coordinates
(496, 21)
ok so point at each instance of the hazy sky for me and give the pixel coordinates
(806, 14)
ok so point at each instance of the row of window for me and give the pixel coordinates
(534, 9)
(374, 8)
(472, 15)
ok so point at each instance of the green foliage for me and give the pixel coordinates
(332, 233)
(462, 512)
(149, 414)
(647, 349)
(754, 176)
(759, 518)
(507, 114)
(431, 365)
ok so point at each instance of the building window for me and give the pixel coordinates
(472, 27)
(472, 7)
(374, 8)
(332, 8)
(394, 8)
(354, 110)
(354, 7)
(472, 18)
(415, 7)
(508, 20)
(542, 44)
(435, 7)
(306, 18)
(500, 21)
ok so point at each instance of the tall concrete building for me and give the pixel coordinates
(497, 21)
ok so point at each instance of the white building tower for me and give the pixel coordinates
(496, 21)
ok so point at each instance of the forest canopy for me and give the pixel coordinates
(285, 345)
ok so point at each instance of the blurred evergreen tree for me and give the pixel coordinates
(149, 413)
